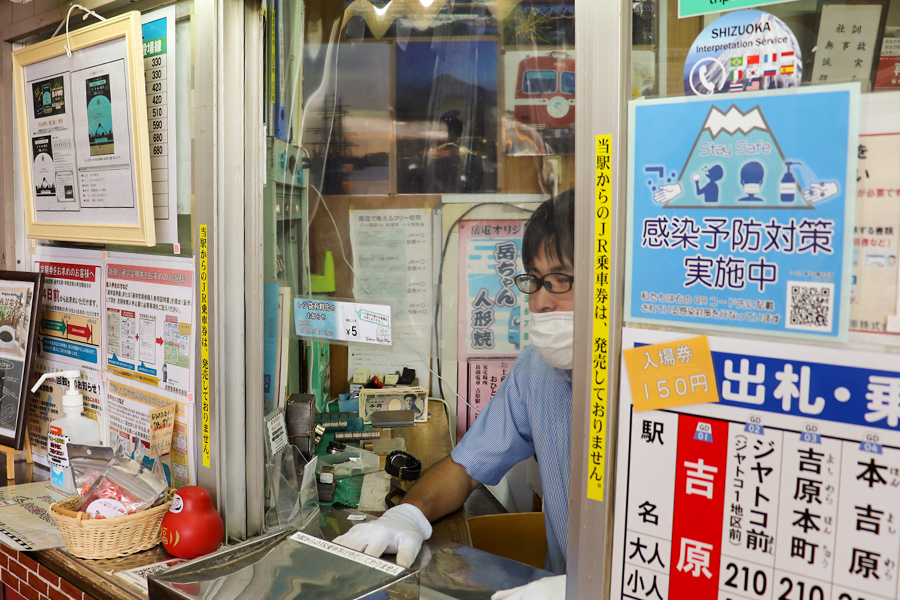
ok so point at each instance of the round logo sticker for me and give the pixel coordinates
(743, 51)
(557, 107)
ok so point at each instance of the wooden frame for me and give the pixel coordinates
(873, 42)
(20, 294)
(81, 114)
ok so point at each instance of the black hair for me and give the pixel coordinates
(551, 229)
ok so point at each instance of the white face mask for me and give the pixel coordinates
(551, 333)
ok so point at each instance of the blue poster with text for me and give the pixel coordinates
(740, 210)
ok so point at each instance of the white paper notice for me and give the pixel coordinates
(138, 576)
(788, 483)
(69, 324)
(149, 322)
(158, 29)
(25, 521)
(81, 137)
(392, 262)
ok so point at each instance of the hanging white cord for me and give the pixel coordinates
(87, 12)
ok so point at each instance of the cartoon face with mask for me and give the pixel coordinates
(751, 181)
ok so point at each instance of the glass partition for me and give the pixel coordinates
(397, 133)
(762, 223)
(408, 143)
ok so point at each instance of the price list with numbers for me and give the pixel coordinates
(784, 489)
(158, 28)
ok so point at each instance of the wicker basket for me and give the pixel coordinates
(108, 538)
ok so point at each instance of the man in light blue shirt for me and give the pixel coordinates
(529, 415)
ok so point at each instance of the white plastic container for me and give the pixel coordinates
(73, 428)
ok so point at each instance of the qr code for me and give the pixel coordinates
(810, 306)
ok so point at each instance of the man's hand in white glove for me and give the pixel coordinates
(548, 588)
(401, 531)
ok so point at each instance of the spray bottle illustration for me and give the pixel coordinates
(788, 186)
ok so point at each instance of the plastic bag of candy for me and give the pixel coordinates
(125, 488)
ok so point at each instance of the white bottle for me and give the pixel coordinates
(73, 428)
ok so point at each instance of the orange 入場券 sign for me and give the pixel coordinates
(671, 374)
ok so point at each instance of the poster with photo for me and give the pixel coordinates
(80, 136)
(53, 166)
(534, 23)
(348, 125)
(80, 117)
(446, 114)
(888, 76)
(19, 298)
(538, 102)
(99, 115)
(14, 330)
(424, 20)
(49, 97)
(100, 110)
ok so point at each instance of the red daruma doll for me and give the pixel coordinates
(191, 527)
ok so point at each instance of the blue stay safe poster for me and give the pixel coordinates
(740, 211)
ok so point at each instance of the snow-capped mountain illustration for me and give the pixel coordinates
(734, 120)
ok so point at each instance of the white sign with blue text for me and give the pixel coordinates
(785, 488)
(741, 210)
(349, 322)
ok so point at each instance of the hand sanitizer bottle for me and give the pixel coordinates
(73, 428)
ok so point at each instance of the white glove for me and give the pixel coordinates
(667, 192)
(548, 588)
(401, 531)
(821, 191)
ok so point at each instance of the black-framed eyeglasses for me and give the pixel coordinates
(555, 283)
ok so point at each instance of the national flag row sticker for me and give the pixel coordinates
(755, 66)
(755, 59)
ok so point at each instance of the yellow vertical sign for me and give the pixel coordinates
(600, 350)
(204, 346)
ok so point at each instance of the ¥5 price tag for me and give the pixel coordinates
(671, 374)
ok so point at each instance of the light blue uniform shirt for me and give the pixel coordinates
(531, 414)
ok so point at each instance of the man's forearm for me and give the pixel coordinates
(441, 490)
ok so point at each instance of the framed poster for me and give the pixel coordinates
(82, 123)
(849, 41)
(19, 293)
